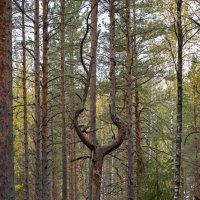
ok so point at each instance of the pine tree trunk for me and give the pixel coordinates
(38, 164)
(93, 33)
(45, 165)
(55, 166)
(138, 131)
(63, 107)
(138, 139)
(26, 154)
(100, 151)
(73, 171)
(129, 100)
(97, 159)
(6, 122)
(179, 103)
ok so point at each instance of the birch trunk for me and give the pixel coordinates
(179, 103)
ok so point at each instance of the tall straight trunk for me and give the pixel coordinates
(129, 100)
(45, 70)
(26, 156)
(63, 107)
(6, 121)
(93, 87)
(54, 165)
(38, 164)
(97, 173)
(73, 171)
(138, 137)
(138, 130)
(179, 102)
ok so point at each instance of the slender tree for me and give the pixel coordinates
(179, 32)
(6, 121)
(93, 87)
(26, 154)
(73, 165)
(38, 164)
(45, 71)
(129, 101)
(63, 107)
(54, 165)
(138, 130)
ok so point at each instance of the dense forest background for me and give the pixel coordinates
(105, 98)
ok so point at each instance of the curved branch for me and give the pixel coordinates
(83, 40)
(81, 107)
(121, 125)
(190, 135)
(78, 129)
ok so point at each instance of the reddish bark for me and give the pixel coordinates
(6, 122)
(63, 107)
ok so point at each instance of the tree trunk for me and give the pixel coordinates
(93, 33)
(129, 100)
(6, 122)
(138, 131)
(26, 154)
(97, 159)
(55, 166)
(63, 107)
(73, 175)
(45, 165)
(100, 151)
(138, 138)
(179, 103)
(38, 169)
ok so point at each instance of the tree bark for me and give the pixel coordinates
(63, 106)
(73, 168)
(129, 100)
(55, 165)
(100, 151)
(6, 121)
(45, 165)
(179, 103)
(26, 154)
(93, 33)
(38, 169)
(97, 159)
